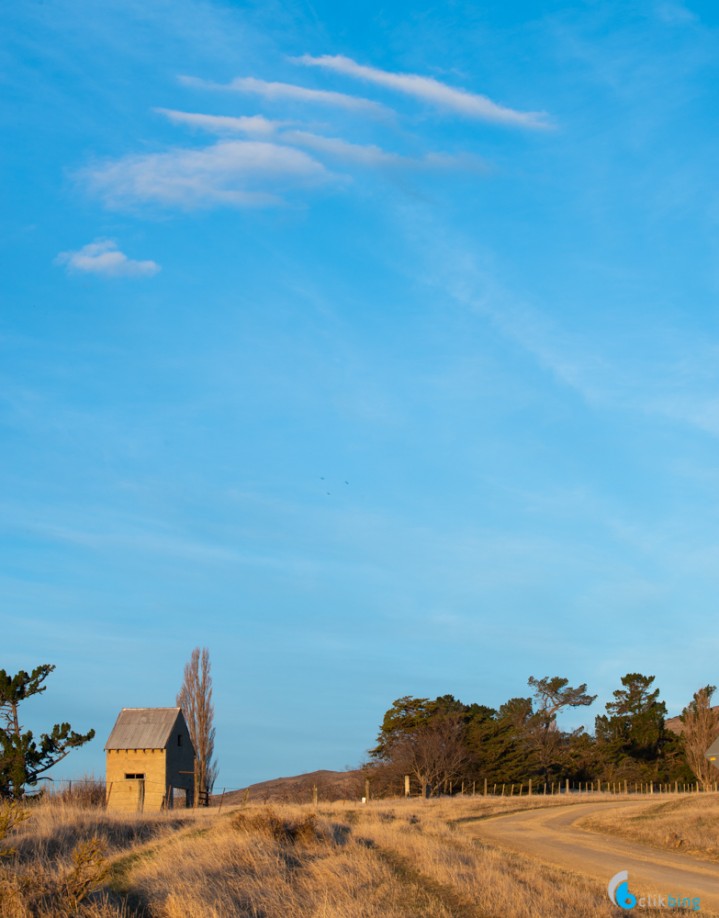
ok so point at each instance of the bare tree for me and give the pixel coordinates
(701, 728)
(434, 754)
(195, 699)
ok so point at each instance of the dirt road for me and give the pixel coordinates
(552, 835)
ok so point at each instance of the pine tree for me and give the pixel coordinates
(631, 737)
(22, 758)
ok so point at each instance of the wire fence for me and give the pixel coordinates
(140, 791)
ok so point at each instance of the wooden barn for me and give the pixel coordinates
(149, 760)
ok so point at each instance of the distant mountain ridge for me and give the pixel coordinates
(331, 785)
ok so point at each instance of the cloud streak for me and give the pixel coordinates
(375, 156)
(427, 89)
(345, 151)
(236, 173)
(105, 259)
(274, 91)
(253, 125)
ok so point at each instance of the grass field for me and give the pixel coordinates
(395, 858)
(689, 824)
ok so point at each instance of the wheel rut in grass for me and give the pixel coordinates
(425, 896)
(119, 884)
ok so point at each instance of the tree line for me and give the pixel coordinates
(442, 741)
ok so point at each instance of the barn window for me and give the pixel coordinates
(134, 777)
(179, 739)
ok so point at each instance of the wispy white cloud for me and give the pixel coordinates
(235, 173)
(675, 13)
(335, 147)
(361, 154)
(469, 104)
(676, 380)
(274, 91)
(373, 155)
(104, 258)
(253, 125)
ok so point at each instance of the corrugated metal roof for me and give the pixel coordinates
(143, 728)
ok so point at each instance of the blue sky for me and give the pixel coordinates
(375, 348)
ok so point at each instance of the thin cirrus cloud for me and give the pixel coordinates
(449, 98)
(104, 258)
(252, 125)
(274, 91)
(360, 154)
(333, 147)
(372, 155)
(235, 173)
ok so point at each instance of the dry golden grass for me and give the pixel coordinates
(429, 837)
(389, 859)
(687, 823)
(59, 853)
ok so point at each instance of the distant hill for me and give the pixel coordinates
(331, 785)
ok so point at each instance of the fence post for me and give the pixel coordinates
(529, 792)
(406, 785)
(314, 795)
(366, 789)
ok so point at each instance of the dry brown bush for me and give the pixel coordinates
(284, 831)
(88, 793)
(44, 890)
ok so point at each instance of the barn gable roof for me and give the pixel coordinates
(143, 728)
(713, 750)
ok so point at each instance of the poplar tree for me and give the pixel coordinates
(195, 699)
(701, 728)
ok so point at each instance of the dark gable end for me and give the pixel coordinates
(713, 751)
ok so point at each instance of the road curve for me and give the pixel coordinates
(553, 836)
